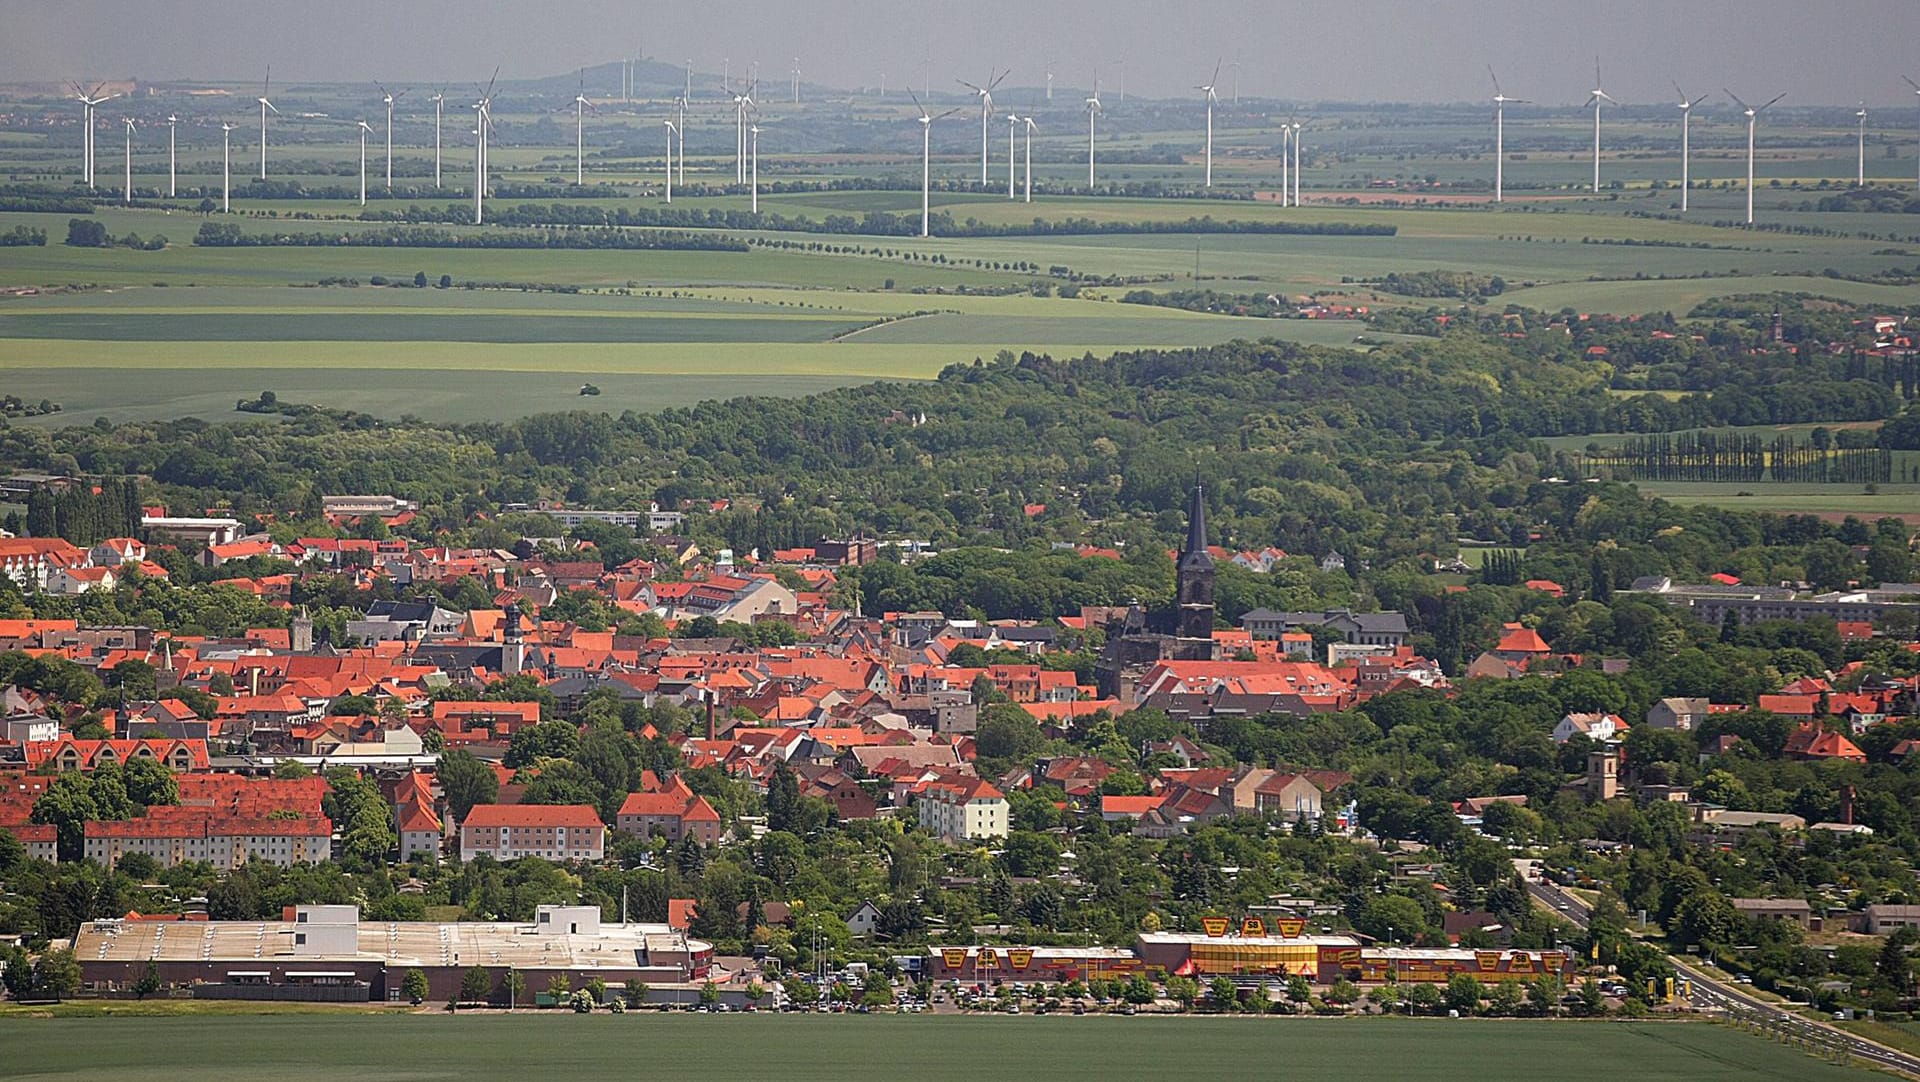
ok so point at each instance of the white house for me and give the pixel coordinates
(1595, 727)
(862, 921)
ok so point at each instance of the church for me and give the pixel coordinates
(1132, 649)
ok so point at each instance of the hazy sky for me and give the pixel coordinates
(1818, 51)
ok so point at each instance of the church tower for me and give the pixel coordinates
(513, 649)
(1195, 573)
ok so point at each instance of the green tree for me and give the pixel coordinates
(1299, 992)
(466, 781)
(709, 994)
(1222, 995)
(414, 987)
(475, 985)
(1183, 990)
(149, 982)
(1463, 994)
(56, 974)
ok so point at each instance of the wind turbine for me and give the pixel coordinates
(1210, 97)
(1093, 110)
(1297, 170)
(926, 160)
(1013, 122)
(580, 107)
(439, 101)
(264, 106)
(482, 122)
(1049, 79)
(1235, 68)
(226, 168)
(1753, 120)
(1686, 142)
(985, 94)
(1121, 65)
(390, 97)
(671, 128)
(796, 80)
(127, 196)
(680, 134)
(1028, 121)
(171, 170)
(364, 129)
(1500, 103)
(1598, 97)
(1860, 180)
(689, 90)
(1911, 83)
(89, 103)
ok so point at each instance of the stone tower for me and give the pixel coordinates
(513, 648)
(1195, 573)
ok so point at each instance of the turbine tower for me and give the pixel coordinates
(364, 129)
(1500, 103)
(439, 101)
(985, 94)
(671, 128)
(753, 131)
(1013, 122)
(127, 196)
(1297, 170)
(796, 80)
(1286, 165)
(389, 97)
(172, 170)
(1686, 142)
(226, 168)
(1049, 79)
(1753, 120)
(1030, 126)
(1860, 179)
(482, 124)
(1598, 97)
(1206, 92)
(1093, 110)
(264, 106)
(89, 104)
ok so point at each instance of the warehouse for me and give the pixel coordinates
(325, 953)
(1200, 955)
(990, 965)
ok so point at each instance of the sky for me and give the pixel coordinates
(1817, 51)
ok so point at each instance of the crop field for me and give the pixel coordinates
(848, 1049)
(1827, 501)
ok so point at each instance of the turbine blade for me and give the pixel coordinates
(1771, 104)
(1735, 97)
(1215, 81)
(1496, 81)
(1911, 83)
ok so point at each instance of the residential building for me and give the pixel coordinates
(178, 835)
(550, 831)
(961, 808)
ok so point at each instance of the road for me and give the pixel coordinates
(1714, 993)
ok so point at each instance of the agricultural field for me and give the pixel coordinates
(844, 1048)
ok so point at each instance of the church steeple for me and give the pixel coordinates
(1195, 573)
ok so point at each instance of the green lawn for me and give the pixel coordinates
(846, 1049)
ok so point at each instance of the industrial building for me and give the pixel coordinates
(326, 953)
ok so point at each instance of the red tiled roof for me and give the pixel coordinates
(532, 815)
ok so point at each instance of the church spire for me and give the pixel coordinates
(1195, 556)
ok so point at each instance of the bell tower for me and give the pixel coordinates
(1195, 573)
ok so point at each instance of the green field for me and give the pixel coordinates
(1832, 501)
(845, 1049)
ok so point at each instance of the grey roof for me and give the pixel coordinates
(1376, 622)
(1195, 556)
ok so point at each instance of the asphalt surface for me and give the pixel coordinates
(1713, 993)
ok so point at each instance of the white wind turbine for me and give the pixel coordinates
(226, 168)
(1598, 97)
(390, 97)
(1860, 179)
(1049, 79)
(1093, 110)
(172, 172)
(1211, 98)
(364, 129)
(926, 160)
(1028, 121)
(580, 107)
(680, 135)
(264, 106)
(985, 94)
(1235, 68)
(482, 123)
(1911, 83)
(1753, 120)
(1500, 103)
(1297, 169)
(1686, 142)
(671, 128)
(796, 80)
(439, 101)
(127, 196)
(89, 104)
(1013, 122)
(688, 93)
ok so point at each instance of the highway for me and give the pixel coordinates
(1714, 993)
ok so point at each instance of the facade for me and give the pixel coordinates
(1382, 629)
(962, 808)
(672, 814)
(177, 835)
(549, 831)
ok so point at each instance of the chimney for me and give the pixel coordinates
(1846, 804)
